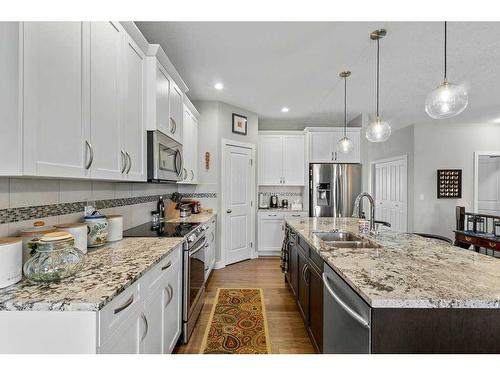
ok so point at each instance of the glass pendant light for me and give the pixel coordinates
(345, 144)
(379, 130)
(448, 99)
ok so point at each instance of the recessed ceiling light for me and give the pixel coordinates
(219, 86)
(284, 109)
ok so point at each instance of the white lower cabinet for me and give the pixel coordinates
(271, 230)
(212, 245)
(147, 319)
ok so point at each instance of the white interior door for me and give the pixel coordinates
(489, 185)
(237, 203)
(391, 193)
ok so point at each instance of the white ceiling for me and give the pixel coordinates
(265, 66)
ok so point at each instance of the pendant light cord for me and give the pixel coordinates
(378, 73)
(445, 47)
(345, 106)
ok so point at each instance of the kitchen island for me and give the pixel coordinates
(423, 295)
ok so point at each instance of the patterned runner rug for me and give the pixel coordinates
(237, 324)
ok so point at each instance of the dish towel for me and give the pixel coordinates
(284, 254)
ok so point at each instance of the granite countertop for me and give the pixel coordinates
(107, 272)
(408, 271)
(194, 218)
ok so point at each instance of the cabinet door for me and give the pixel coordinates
(321, 147)
(126, 339)
(354, 155)
(54, 126)
(271, 160)
(172, 309)
(194, 157)
(133, 130)
(271, 234)
(303, 287)
(293, 265)
(176, 112)
(187, 145)
(316, 308)
(293, 160)
(151, 322)
(105, 85)
(162, 103)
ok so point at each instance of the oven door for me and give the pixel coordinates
(165, 161)
(195, 276)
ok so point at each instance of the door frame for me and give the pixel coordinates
(253, 253)
(475, 172)
(371, 179)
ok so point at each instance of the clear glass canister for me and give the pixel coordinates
(55, 258)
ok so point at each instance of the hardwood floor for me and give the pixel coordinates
(286, 328)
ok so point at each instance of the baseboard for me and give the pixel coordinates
(219, 265)
(269, 253)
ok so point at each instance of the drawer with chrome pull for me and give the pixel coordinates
(171, 262)
(118, 310)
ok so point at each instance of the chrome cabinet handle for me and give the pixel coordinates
(271, 215)
(124, 161)
(125, 305)
(229, 211)
(173, 125)
(192, 175)
(146, 326)
(342, 304)
(207, 244)
(91, 159)
(170, 292)
(332, 156)
(129, 162)
(184, 173)
(213, 237)
(166, 265)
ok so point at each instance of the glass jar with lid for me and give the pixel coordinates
(55, 258)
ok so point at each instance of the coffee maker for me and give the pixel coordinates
(274, 201)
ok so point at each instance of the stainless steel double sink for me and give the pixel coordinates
(344, 239)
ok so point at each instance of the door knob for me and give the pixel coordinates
(229, 211)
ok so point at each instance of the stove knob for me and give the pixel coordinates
(191, 238)
(204, 227)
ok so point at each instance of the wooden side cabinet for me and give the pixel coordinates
(305, 279)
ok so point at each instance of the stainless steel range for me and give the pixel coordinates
(193, 265)
(194, 280)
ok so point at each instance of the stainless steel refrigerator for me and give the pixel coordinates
(333, 189)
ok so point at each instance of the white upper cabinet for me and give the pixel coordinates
(77, 98)
(165, 92)
(270, 160)
(323, 145)
(176, 112)
(10, 101)
(190, 144)
(55, 129)
(281, 159)
(133, 125)
(105, 86)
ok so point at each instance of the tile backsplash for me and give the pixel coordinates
(292, 193)
(22, 200)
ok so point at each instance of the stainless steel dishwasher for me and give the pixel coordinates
(346, 317)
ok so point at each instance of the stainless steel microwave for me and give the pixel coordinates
(165, 162)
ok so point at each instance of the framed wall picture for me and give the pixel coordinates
(449, 183)
(239, 124)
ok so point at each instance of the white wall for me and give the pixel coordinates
(441, 145)
(400, 143)
(214, 125)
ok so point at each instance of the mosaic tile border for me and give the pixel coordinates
(12, 215)
(282, 194)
